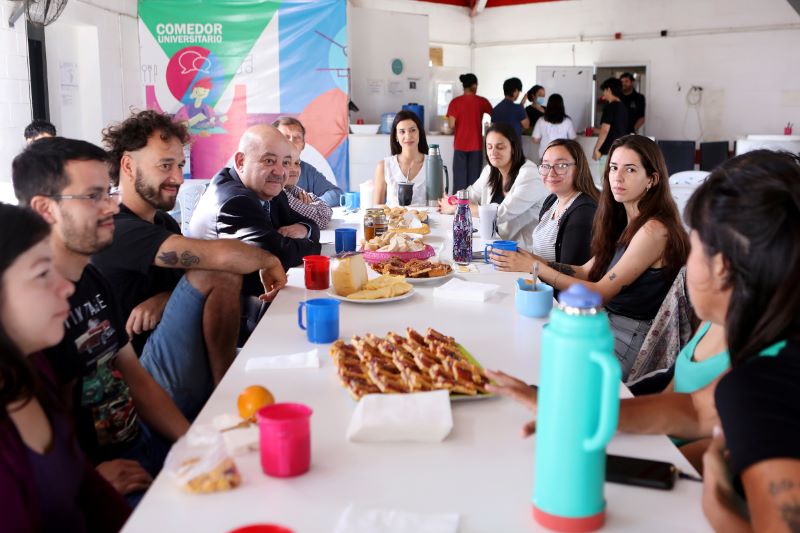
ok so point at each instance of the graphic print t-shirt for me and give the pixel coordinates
(105, 418)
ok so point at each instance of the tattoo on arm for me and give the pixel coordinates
(169, 258)
(790, 510)
(561, 267)
(612, 276)
(189, 259)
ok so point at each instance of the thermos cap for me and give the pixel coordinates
(462, 195)
(579, 297)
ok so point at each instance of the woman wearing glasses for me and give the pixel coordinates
(564, 232)
(509, 180)
(638, 245)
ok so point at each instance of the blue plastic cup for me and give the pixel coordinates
(345, 240)
(322, 318)
(350, 200)
(510, 246)
(533, 303)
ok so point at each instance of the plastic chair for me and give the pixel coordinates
(679, 155)
(188, 196)
(683, 184)
(713, 154)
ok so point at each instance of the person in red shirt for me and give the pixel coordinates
(464, 115)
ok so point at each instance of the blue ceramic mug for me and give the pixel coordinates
(322, 319)
(350, 200)
(533, 303)
(509, 246)
(345, 240)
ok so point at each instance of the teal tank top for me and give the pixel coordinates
(693, 375)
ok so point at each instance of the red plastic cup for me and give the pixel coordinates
(262, 528)
(589, 131)
(787, 130)
(360, 121)
(285, 430)
(317, 272)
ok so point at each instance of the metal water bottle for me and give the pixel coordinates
(462, 230)
(578, 407)
(435, 185)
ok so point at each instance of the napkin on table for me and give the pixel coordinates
(308, 359)
(362, 520)
(458, 289)
(416, 417)
(240, 440)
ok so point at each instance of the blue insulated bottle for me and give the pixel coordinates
(578, 407)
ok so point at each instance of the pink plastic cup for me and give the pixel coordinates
(285, 431)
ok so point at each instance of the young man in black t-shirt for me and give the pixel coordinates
(66, 182)
(613, 123)
(633, 101)
(181, 295)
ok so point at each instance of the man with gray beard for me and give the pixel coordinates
(181, 295)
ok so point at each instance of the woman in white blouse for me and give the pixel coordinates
(406, 164)
(511, 181)
(555, 124)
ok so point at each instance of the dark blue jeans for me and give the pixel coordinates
(466, 169)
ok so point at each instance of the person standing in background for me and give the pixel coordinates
(633, 101)
(535, 111)
(613, 122)
(509, 111)
(555, 124)
(465, 114)
(37, 129)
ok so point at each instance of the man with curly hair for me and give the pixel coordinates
(181, 295)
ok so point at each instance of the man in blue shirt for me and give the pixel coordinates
(508, 110)
(311, 179)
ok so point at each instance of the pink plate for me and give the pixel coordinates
(377, 257)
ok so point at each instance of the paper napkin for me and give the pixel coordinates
(415, 417)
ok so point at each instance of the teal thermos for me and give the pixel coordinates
(578, 407)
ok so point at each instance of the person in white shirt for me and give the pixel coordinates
(511, 181)
(406, 164)
(555, 124)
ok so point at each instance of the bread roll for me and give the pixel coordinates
(350, 275)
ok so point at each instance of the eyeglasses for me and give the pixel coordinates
(560, 168)
(98, 197)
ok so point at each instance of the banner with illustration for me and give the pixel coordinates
(221, 66)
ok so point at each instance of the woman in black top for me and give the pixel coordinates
(638, 245)
(564, 232)
(744, 272)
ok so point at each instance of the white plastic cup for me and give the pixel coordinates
(367, 194)
(487, 215)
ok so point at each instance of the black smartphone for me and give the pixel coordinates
(640, 472)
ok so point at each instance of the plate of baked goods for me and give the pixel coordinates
(350, 283)
(397, 364)
(400, 245)
(415, 271)
(399, 216)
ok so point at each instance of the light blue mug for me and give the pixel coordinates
(509, 246)
(533, 303)
(322, 319)
(350, 200)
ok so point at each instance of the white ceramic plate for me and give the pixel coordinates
(333, 294)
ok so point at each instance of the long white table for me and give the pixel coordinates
(483, 471)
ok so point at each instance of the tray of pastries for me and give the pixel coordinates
(413, 269)
(399, 245)
(413, 362)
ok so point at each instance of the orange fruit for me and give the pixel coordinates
(252, 399)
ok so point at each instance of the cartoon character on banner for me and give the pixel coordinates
(199, 116)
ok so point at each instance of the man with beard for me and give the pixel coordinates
(181, 295)
(247, 202)
(66, 182)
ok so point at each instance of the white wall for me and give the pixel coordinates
(99, 37)
(744, 55)
(15, 99)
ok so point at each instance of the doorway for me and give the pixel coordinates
(602, 73)
(37, 66)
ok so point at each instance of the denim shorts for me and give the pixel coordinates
(629, 335)
(175, 354)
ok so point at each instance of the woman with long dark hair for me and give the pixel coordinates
(564, 231)
(555, 124)
(745, 262)
(638, 244)
(409, 149)
(509, 180)
(46, 483)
